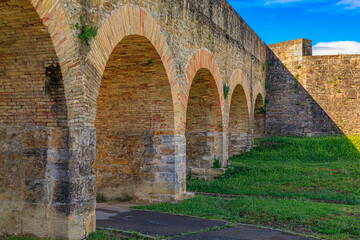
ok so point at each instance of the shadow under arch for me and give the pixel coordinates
(135, 124)
(259, 116)
(204, 129)
(239, 122)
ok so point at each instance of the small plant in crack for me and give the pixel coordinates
(149, 62)
(226, 89)
(263, 109)
(86, 32)
(217, 163)
(267, 85)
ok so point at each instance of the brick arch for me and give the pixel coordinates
(258, 89)
(53, 16)
(128, 20)
(202, 59)
(238, 78)
(259, 118)
(239, 114)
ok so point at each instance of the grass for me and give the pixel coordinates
(332, 221)
(320, 168)
(306, 185)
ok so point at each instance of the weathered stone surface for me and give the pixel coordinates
(207, 173)
(311, 95)
(124, 108)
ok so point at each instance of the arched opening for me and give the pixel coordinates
(238, 130)
(135, 124)
(32, 116)
(259, 117)
(203, 122)
(31, 90)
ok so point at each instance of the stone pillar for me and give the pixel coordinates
(203, 148)
(46, 188)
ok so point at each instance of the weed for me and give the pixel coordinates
(100, 197)
(297, 76)
(149, 62)
(87, 33)
(298, 103)
(263, 109)
(124, 198)
(226, 90)
(298, 66)
(267, 85)
(217, 163)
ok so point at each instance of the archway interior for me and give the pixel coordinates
(259, 117)
(238, 130)
(203, 122)
(32, 117)
(32, 92)
(134, 123)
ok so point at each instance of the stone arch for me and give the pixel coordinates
(259, 115)
(238, 78)
(204, 123)
(239, 122)
(35, 71)
(202, 59)
(155, 168)
(127, 20)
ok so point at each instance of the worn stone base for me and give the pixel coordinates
(207, 174)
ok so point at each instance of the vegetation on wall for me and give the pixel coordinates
(263, 109)
(226, 90)
(86, 32)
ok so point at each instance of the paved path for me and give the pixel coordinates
(170, 225)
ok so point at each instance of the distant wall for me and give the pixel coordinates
(311, 95)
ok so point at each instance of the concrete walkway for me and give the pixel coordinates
(170, 225)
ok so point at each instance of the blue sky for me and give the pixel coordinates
(333, 25)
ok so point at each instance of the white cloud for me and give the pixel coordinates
(335, 48)
(351, 4)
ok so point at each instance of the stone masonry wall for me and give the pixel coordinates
(55, 109)
(311, 95)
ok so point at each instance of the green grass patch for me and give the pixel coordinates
(305, 185)
(330, 221)
(319, 168)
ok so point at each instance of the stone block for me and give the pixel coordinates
(207, 173)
